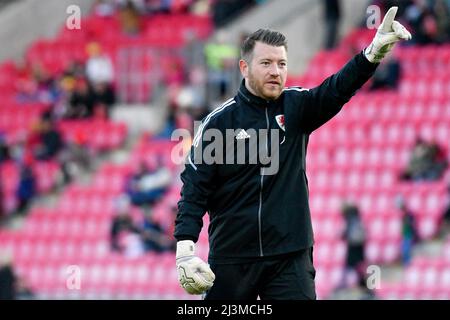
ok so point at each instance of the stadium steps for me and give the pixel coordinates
(48, 200)
(142, 117)
(26, 20)
(138, 119)
(426, 277)
(394, 273)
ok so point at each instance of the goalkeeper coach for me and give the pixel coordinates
(260, 231)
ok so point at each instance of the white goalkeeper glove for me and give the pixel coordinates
(389, 32)
(194, 274)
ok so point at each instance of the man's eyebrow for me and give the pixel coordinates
(269, 59)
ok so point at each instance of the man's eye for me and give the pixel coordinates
(266, 63)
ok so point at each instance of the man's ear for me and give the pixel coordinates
(243, 66)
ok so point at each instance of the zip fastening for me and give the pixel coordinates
(261, 252)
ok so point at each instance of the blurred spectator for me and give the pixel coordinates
(428, 20)
(104, 98)
(36, 84)
(226, 10)
(154, 236)
(2, 204)
(26, 189)
(193, 51)
(427, 162)
(129, 17)
(387, 74)
(122, 226)
(12, 286)
(103, 8)
(332, 14)
(76, 157)
(50, 140)
(355, 238)
(66, 84)
(18, 149)
(100, 75)
(47, 89)
(81, 101)
(99, 68)
(7, 278)
(158, 6)
(221, 58)
(147, 185)
(4, 149)
(201, 7)
(441, 12)
(445, 223)
(422, 22)
(409, 231)
(386, 4)
(191, 96)
(75, 70)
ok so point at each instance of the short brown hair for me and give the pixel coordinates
(267, 36)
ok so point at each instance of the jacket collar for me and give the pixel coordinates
(250, 98)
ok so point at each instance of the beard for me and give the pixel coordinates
(264, 90)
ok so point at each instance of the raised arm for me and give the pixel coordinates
(326, 100)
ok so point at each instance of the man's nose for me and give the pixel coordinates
(274, 70)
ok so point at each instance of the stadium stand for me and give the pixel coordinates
(425, 278)
(76, 230)
(359, 154)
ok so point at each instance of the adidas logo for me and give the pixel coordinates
(242, 135)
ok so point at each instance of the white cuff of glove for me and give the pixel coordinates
(194, 275)
(185, 248)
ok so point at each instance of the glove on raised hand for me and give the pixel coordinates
(389, 32)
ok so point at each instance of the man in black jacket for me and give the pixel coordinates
(260, 231)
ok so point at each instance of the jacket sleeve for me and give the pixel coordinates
(197, 178)
(326, 100)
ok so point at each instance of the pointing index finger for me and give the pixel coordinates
(386, 25)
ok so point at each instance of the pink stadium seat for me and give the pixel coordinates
(330, 251)
(327, 227)
(47, 174)
(383, 250)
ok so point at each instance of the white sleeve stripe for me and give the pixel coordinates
(208, 117)
(200, 129)
(191, 163)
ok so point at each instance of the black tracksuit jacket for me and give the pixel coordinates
(252, 214)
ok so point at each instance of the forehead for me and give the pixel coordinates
(265, 51)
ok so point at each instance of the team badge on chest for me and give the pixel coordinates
(280, 121)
